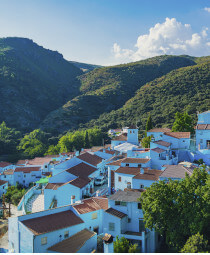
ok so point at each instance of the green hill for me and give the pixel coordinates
(185, 89)
(108, 88)
(33, 82)
(84, 67)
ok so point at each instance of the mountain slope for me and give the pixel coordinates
(84, 67)
(185, 89)
(33, 82)
(108, 88)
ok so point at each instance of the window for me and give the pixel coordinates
(127, 164)
(141, 226)
(129, 220)
(45, 166)
(44, 240)
(139, 165)
(183, 141)
(128, 185)
(5, 176)
(24, 176)
(66, 234)
(94, 216)
(130, 132)
(141, 186)
(201, 140)
(119, 179)
(117, 202)
(111, 226)
(139, 206)
(161, 135)
(120, 203)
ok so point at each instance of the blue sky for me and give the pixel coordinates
(110, 31)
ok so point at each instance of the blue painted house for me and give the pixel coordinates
(125, 218)
(26, 175)
(55, 230)
(203, 131)
(3, 187)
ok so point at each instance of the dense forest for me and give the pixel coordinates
(50, 105)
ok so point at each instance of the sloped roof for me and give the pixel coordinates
(73, 243)
(53, 186)
(81, 170)
(39, 161)
(122, 137)
(175, 171)
(79, 182)
(52, 222)
(115, 163)
(126, 196)
(91, 205)
(2, 182)
(90, 158)
(158, 150)
(116, 213)
(203, 127)
(4, 164)
(178, 135)
(163, 143)
(159, 130)
(136, 160)
(9, 172)
(27, 169)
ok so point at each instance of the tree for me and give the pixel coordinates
(149, 123)
(122, 245)
(53, 150)
(86, 140)
(145, 142)
(178, 209)
(183, 123)
(195, 244)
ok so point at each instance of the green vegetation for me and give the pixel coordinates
(14, 194)
(122, 245)
(178, 209)
(183, 90)
(145, 142)
(108, 88)
(183, 123)
(34, 81)
(149, 123)
(196, 244)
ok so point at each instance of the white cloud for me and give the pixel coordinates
(169, 37)
(207, 9)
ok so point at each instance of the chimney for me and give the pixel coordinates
(108, 243)
(72, 199)
(141, 170)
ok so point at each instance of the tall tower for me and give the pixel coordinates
(132, 136)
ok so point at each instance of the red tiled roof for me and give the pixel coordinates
(2, 182)
(91, 205)
(158, 150)
(178, 134)
(79, 182)
(27, 169)
(159, 130)
(203, 127)
(108, 151)
(74, 243)
(122, 137)
(163, 143)
(116, 163)
(52, 222)
(21, 162)
(9, 172)
(39, 161)
(136, 160)
(90, 158)
(116, 213)
(4, 164)
(81, 170)
(53, 186)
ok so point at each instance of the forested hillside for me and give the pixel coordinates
(108, 88)
(33, 82)
(185, 89)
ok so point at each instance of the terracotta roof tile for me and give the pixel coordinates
(2, 182)
(122, 137)
(38, 161)
(116, 213)
(158, 150)
(27, 169)
(116, 163)
(163, 143)
(178, 134)
(73, 243)
(91, 205)
(4, 164)
(136, 160)
(53, 186)
(81, 170)
(159, 130)
(79, 182)
(108, 151)
(90, 158)
(203, 127)
(9, 172)
(52, 222)
(175, 171)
